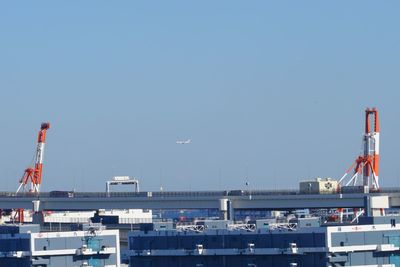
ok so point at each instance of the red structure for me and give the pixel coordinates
(367, 165)
(19, 216)
(34, 174)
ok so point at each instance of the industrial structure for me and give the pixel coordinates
(27, 245)
(367, 165)
(325, 222)
(298, 242)
(33, 175)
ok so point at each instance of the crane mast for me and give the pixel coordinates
(367, 164)
(34, 174)
(371, 149)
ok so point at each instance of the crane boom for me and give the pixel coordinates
(34, 174)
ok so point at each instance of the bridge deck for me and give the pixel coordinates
(240, 199)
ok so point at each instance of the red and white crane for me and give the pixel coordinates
(367, 165)
(34, 174)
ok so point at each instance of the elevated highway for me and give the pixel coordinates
(238, 199)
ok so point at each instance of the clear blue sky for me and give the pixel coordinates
(271, 92)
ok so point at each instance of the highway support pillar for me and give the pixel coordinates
(225, 209)
(37, 216)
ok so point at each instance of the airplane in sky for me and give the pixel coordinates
(183, 142)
